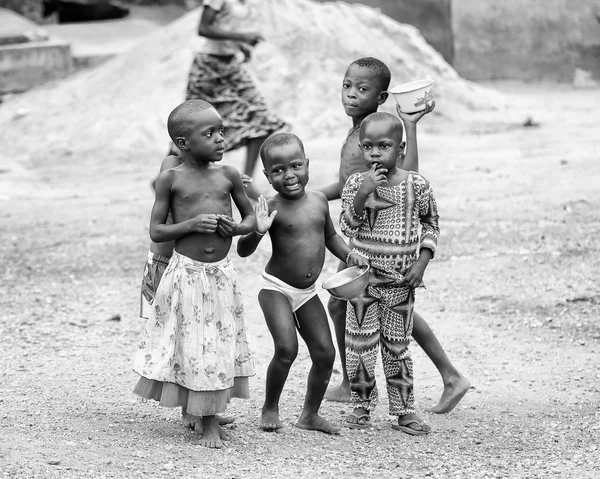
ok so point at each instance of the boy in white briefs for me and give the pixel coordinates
(301, 229)
(296, 296)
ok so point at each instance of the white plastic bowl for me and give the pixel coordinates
(348, 283)
(413, 96)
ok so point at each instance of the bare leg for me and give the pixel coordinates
(337, 311)
(455, 384)
(314, 329)
(252, 151)
(280, 321)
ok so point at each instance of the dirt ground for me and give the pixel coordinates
(513, 295)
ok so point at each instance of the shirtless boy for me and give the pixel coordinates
(195, 354)
(301, 229)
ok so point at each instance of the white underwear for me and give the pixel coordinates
(297, 297)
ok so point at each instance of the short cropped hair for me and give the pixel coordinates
(178, 123)
(382, 72)
(381, 116)
(279, 139)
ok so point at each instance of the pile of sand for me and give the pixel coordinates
(118, 110)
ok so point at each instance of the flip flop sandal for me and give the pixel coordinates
(404, 425)
(358, 422)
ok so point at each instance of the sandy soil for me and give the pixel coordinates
(513, 296)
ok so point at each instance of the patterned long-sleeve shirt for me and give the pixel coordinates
(388, 230)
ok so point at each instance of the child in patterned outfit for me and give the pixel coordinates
(301, 230)
(195, 353)
(364, 89)
(382, 211)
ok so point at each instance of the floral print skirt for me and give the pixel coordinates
(195, 351)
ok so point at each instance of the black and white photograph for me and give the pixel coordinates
(263, 239)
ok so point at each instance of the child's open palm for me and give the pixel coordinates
(264, 220)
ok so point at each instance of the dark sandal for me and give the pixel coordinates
(362, 421)
(406, 424)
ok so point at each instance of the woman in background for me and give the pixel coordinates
(218, 76)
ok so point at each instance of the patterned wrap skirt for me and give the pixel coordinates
(225, 84)
(195, 351)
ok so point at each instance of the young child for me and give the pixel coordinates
(382, 210)
(364, 89)
(301, 229)
(157, 261)
(195, 353)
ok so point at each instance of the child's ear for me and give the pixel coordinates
(181, 143)
(307, 162)
(267, 176)
(383, 96)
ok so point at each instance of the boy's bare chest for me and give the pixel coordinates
(300, 221)
(196, 189)
(351, 157)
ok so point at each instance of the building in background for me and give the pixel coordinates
(484, 40)
(517, 39)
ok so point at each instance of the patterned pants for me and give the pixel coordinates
(381, 315)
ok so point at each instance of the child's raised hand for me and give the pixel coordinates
(246, 180)
(375, 177)
(205, 223)
(415, 117)
(226, 226)
(263, 219)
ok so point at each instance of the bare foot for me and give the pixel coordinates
(339, 393)
(317, 423)
(224, 420)
(453, 392)
(193, 422)
(189, 420)
(269, 421)
(211, 437)
(224, 434)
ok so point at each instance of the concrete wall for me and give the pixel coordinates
(26, 65)
(525, 39)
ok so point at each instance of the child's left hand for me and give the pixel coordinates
(413, 276)
(246, 180)
(355, 259)
(415, 117)
(226, 226)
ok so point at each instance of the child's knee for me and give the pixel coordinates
(324, 358)
(286, 354)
